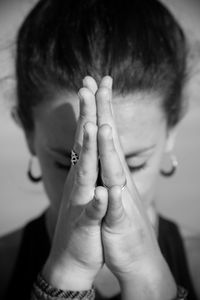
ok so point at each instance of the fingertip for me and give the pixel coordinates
(99, 204)
(115, 211)
(90, 83)
(96, 209)
(85, 94)
(101, 199)
(87, 105)
(107, 82)
(101, 193)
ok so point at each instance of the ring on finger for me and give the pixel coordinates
(122, 186)
(74, 157)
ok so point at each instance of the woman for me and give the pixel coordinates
(99, 141)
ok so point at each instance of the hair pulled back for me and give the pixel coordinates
(137, 42)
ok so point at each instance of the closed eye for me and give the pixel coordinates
(61, 159)
(131, 168)
(137, 168)
(62, 166)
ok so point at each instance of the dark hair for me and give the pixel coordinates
(137, 42)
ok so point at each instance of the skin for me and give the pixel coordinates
(129, 134)
(137, 118)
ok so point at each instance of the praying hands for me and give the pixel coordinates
(104, 224)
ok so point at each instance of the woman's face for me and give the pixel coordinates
(141, 126)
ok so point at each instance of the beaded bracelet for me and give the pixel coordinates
(44, 291)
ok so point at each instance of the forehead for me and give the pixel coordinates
(138, 117)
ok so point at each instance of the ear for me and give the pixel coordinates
(30, 140)
(29, 135)
(171, 139)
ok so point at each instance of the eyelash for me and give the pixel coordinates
(138, 168)
(62, 166)
(132, 169)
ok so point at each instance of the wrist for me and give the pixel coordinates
(67, 277)
(43, 290)
(150, 281)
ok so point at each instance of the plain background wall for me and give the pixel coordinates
(177, 198)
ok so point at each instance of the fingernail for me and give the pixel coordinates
(109, 81)
(85, 81)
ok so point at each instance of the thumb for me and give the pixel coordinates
(115, 212)
(95, 210)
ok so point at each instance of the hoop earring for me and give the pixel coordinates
(31, 177)
(174, 164)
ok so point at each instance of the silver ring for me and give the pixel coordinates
(122, 186)
(74, 157)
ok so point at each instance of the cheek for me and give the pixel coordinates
(146, 180)
(53, 178)
(146, 185)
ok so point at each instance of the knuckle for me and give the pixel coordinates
(87, 114)
(81, 176)
(105, 131)
(77, 147)
(91, 128)
(86, 147)
(86, 94)
(114, 178)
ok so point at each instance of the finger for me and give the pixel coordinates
(96, 209)
(105, 115)
(87, 114)
(90, 83)
(111, 168)
(103, 102)
(107, 82)
(86, 169)
(115, 212)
